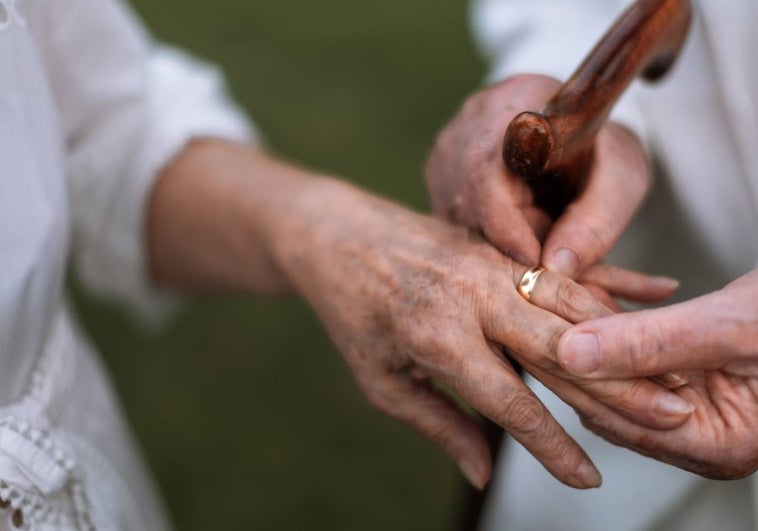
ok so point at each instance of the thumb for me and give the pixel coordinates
(647, 343)
(588, 229)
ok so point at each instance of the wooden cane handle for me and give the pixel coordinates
(556, 143)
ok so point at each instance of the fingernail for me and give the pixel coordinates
(672, 404)
(580, 353)
(472, 474)
(588, 476)
(564, 261)
(666, 283)
(674, 380)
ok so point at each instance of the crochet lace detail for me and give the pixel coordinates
(28, 508)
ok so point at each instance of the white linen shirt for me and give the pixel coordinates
(699, 225)
(90, 111)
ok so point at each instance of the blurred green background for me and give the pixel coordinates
(244, 409)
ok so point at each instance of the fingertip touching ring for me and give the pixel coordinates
(528, 281)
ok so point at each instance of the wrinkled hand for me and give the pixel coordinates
(410, 300)
(715, 337)
(470, 185)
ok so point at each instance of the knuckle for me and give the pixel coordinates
(572, 301)
(435, 357)
(591, 422)
(471, 275)
(524, 414)
(636, 395)
(645, 344)
(431, 350)
(631, 398)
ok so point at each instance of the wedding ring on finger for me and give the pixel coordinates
(528, 281)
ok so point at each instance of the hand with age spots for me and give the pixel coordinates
(470, 185)
(408, 299)
(715, 339)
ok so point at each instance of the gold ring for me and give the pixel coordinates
(528, 281)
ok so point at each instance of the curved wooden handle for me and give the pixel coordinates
(555, 145)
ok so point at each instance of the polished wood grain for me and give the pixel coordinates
(553, 147)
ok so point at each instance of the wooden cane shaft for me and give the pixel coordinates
(645, 41)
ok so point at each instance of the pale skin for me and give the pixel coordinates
(407, 299)
(712, 339)
(470, 185)
(715, 337)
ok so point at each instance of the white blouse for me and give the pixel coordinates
(699, 225)
(90, 111)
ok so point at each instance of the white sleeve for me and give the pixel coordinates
(549, 37)
(127, 107)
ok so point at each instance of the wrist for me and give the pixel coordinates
(219, 215)
(296, 215)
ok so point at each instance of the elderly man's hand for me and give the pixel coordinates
(716, 338)
(469, 183)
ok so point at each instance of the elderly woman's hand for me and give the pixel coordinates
(715, 337)
(407, 298)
